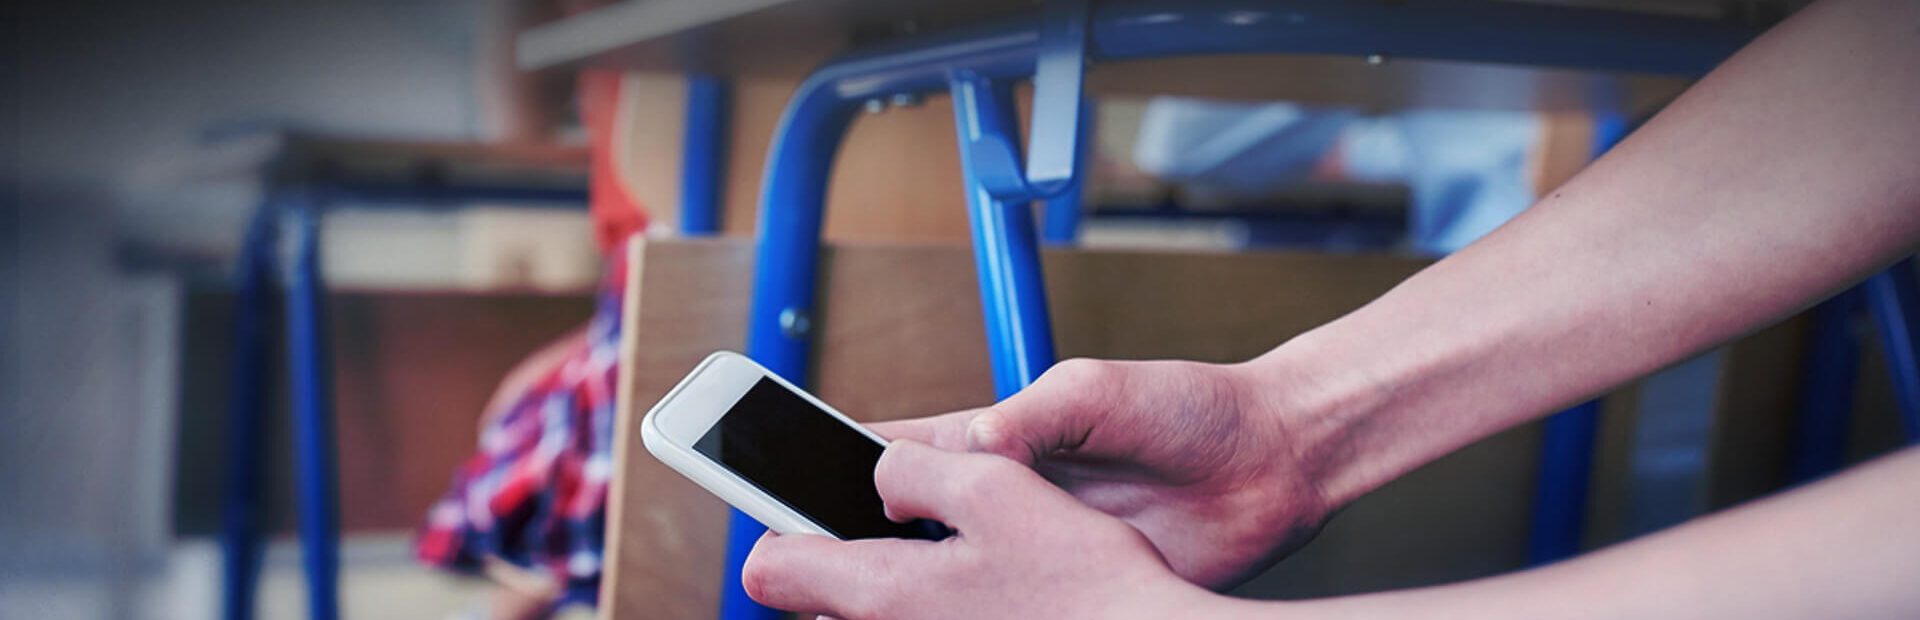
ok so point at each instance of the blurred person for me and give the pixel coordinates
(1138, 489)
(528, 509)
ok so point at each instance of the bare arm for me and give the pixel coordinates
(1845, 548)
(1790, 171)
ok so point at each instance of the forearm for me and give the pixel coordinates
(1843, 548)
(1784, 175)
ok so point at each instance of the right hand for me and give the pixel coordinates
(1193, 455)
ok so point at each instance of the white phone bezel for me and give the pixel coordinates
(684, 415)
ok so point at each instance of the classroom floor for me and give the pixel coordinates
(379, 580)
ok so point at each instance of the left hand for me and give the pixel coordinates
(1024, 549)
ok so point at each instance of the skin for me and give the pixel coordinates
(1785, 175)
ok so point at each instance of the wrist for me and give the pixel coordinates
(1336, 410)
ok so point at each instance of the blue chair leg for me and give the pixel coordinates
(1826, 390)
(241, 509)
(1895, 304)
(703, 156)
(1005, 246)
(786, 263)
(1566, 466)
(313, 418)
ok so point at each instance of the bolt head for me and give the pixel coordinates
(794, 323)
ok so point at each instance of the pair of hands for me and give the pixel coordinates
(1101, 490)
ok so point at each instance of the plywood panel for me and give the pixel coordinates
(685, 299)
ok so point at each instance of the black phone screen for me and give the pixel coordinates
(809, 461)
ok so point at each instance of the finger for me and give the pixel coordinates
(1057, 412)
(945, 431)
(970, 491)
(819, 575)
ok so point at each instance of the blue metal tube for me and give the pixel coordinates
(703, 155)
(1463, 30)
(313, 417)
(1006, 253)
(1566, 465)
(1460, 30)
(247, 406)
(1895, 306)
(1061, 218)
(1826, 390)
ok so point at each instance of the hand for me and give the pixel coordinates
(1192, 455)
(1024, 549)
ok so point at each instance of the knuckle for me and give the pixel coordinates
(989, 474)
(1079, 388)
(1078, 372)
(896, 466)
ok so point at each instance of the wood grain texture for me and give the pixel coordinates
(685, 299)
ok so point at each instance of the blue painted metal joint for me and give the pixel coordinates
(1059, 82)
(1060, 61)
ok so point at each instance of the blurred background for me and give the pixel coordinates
(478, 222)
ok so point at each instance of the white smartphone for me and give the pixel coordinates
(775, 452)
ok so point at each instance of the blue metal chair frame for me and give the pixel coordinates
(977, 65)
(301, 206)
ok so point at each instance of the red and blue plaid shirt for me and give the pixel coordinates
(535, 494)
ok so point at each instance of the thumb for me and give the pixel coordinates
(1056, 413)
(816, 574)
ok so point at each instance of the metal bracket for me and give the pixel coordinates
(1058, 81)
